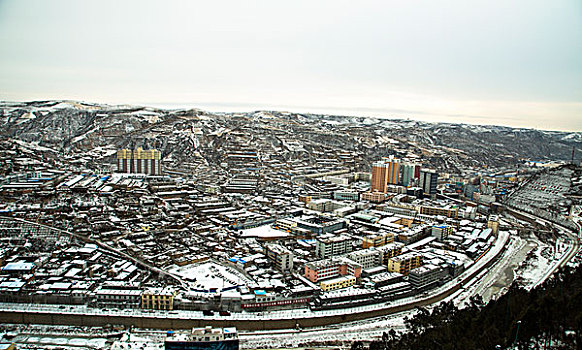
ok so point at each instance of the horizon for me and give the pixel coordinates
(231, 108)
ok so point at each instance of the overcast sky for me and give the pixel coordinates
(516, 63)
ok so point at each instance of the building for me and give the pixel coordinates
(346, 196)
(450, 211)
(426, 276)
(493, 223)
(388, 251)
(120, 297)
(124, 157)
(441, 232)
(321, 225)
(400, 209)
(329, 245)
(405, 262)
(428, 181)
(139, 161)
(337, 283)
(202, 339)
(331, 268)
(280, 256)
(158, 298)
(410, 173)
(367, 258)
(374, 197)
(384, 172)
(18, 268)
(324, 205)
(377, 240)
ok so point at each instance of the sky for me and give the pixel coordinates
(516, 63)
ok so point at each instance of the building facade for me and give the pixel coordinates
(280, 256)
(328, 246)
(441, 232)
(367, 258)
(338, 283)
(377, 240)
(405, 262)
(428, 181)
(374, 197)
(384, 172)
(139, 161)
(316, 271)
(158, 298)
(451, 212)
(389, 251)
(427, 276)
(410, 174)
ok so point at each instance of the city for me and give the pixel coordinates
(128, 219)
(310, 175)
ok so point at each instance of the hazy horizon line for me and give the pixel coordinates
(373, 112)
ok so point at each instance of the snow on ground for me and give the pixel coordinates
(490, 282)
(263, 231)
(60, 337)
(34, 146)
(543, 260)
(211, 276)
(143, 340)
(369, 329)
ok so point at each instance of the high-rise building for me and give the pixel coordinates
(139, 161)
(410, 173)
(428, 181)
(384, 172)
(124, 161)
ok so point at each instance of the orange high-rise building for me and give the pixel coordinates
(384, 172)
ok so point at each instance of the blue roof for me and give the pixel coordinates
(18, 266)
(260, 292)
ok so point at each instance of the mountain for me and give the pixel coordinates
(191, 138)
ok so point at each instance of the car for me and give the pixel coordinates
(207, 313)
(224, 313)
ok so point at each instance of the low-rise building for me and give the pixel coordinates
(441, 232)
(426, 276)
(346, 196)
(330, 245)
(337, 283)
(405, 262)
(388, 251)
(377, 239)
(493, 223)
(158, 298)
(121, 298)
(280, 256)
(367, 258)
(448, 211)
(374, 197)
(330, 268)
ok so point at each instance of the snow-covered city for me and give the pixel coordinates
(327, 244)
(313, 175)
